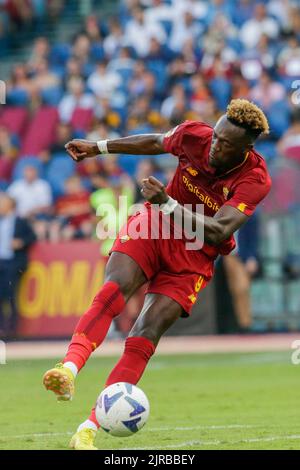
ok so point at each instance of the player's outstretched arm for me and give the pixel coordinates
(215, 229)
(145, 144)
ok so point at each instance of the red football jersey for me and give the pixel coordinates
(195, 182)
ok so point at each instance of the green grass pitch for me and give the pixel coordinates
(213, 401)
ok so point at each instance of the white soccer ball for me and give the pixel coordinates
(122, 409)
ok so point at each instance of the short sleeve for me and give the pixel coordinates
(173, 140)
(250, 192)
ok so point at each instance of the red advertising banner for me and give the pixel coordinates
(58, 286)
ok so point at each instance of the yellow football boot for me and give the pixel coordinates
(60, 380)
(83, 440)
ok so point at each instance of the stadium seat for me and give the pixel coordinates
(97, 52)
(41, 131)
(267, 148)
(82, 119)
(59, 169)
(279, 118)
(3, 185)
(128, 164)
(27, 161)
(14, 118)
(6, 168)
(221, 90)
(52, 96)
(17, 97)
(60, 54)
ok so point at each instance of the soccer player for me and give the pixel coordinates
(217, 168)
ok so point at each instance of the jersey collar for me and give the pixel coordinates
(234, 168)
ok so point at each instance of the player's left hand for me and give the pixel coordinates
(154, 191)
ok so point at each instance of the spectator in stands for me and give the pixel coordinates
(63, 135)
(73, 212)
(240, 86)
(289, 144)
(288, 59)
(177, 101)
(267, 91)
(146, 168)
(114, 40)
(73, 70)
(110, 221)
(179, 71)
(159, 11)
(219, 7)
(44, 78)
(123, 63)
(9, 145)
(20, 12)
(215, 41)
(103, 83)
(20, 80)
(76, 98)
(200, 93)
(92, 29)
(33, 198)
(261, 23)
(138, 33)
(243, 12)
(281, 10)
(16, 237)
(81, 50)
(40, 52)
(241, 267)
(184, 29)
(101, 131)
(8, 153)
(295, 21)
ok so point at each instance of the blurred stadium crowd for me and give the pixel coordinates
(148, 67)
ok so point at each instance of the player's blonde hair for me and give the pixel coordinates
(246, 114)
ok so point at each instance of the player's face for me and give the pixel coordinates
(229, 145)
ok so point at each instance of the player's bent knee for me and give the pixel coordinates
(125, 285)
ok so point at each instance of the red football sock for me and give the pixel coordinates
(93, 326)
(130, 368)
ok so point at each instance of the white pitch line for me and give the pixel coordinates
(159, 429)
(195, 428)
(216, 443)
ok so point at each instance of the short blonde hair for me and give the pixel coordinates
(245, 114)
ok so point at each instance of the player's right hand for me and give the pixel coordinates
(81, 149)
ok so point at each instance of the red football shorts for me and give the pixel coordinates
(170, 268)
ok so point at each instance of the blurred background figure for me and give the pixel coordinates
(241, 267)
(33, 198)
(73, 211)
(16, 237)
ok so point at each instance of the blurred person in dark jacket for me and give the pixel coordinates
(16, 236)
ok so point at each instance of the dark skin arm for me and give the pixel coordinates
(216, 229)
(145, 144)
